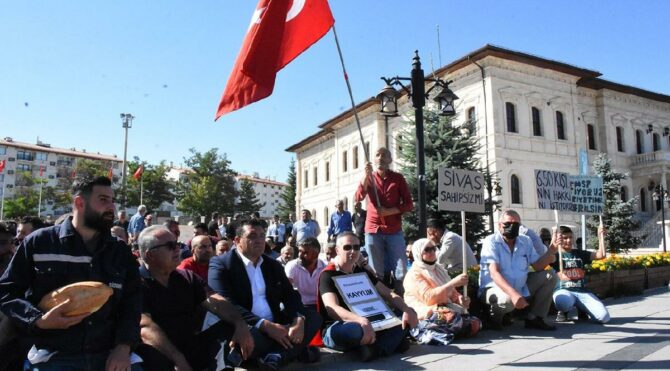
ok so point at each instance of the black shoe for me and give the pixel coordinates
(310, 355)
(367, 353)
(507, 319)
(403, 346)
(539, 324)
(560, 317)
(271, 362)
(491, 324)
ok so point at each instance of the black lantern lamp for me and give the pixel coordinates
(389, 101)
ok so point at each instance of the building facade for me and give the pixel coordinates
(267, 190)
(530, 113)
(52, 164)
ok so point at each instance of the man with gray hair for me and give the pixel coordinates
(504, 281)
(170, 327)
(340, 221)
(136, 224)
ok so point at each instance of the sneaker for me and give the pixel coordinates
(507, 320)
(271, 362)
(367, 353)
(491, 324)
(539, 324)
(560, 317)
(573, 315)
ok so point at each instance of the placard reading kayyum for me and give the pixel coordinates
(460, 190)
(553, 190)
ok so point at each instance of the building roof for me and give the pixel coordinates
(43, 147)
(587, 78)
(260, 180)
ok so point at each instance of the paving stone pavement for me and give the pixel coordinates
(637, 338)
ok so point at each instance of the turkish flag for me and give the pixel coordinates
(110, 174)
(138, 172)
(41, 171)
(2, 165)
(280, 30)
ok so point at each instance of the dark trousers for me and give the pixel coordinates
(263, 344)
(199, 351)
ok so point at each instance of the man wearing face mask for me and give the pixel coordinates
(503, 278)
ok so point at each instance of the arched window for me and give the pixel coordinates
(638, 142)
(619, 139)
(327, 171)
(591, 136)
(354, 154)
(560, 126)
(314, 215)
(471, 115)
(346, 203)
(623, 194)
(643, 200)
(326, 216)
(515, 187)
(510, 111)
(306, 178)
(537, 123)
(656, 142)
(344, 161)
(316, 175)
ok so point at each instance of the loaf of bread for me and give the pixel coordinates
(85, 297)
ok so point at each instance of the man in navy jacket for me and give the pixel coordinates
(80, 249)
(258, 287)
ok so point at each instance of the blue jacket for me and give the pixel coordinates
(56, 256)
(228, 277)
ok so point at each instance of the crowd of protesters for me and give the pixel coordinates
(245, 291)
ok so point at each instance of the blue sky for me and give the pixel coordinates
(68, 68)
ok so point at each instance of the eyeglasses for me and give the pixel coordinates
(172, 245)
(349, 247)
(430, 249)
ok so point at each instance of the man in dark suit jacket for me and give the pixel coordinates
(258, 287)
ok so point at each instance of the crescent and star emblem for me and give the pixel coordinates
(296, 8)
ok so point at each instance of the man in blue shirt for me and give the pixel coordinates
(136, 224)
(503, 278)
(306, 227)
(340, 221)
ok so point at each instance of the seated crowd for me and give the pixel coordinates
(248, 293)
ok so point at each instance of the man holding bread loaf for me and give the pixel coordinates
(74, 291)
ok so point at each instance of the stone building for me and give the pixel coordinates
(529, 113)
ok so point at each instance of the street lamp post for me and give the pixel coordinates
(389, 107)
(661, 194)
(127, 119)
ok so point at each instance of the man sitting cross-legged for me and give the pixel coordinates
(170, 325)
(345, 330)
(258, 287)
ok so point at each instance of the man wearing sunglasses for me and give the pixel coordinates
(172, 300)
(79, 249)
(504, 282)
(345, 330)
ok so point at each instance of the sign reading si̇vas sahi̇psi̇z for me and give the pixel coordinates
(580, 194)
(460, 190)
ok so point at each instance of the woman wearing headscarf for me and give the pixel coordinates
(429, 290)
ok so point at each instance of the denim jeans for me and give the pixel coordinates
(345, 336)
(78, 362)
(386, 254)
(586, 301)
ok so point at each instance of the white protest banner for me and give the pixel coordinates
(460, 190)
(587, 194)
(362, 298)
(553, 190)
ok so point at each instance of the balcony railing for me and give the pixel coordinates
(649, 158)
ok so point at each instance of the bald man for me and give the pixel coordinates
(202, 249)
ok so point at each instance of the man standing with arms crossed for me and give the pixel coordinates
(384, 240)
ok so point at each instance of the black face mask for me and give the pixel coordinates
(511, 230)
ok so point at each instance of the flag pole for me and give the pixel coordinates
(358, 122)
(141, 189)
(39, 204)
(2, 205)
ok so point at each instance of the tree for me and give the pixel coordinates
(209, 186)
(287, 205)
(90, 168)
(156, 187)
(444, 145)
(248, 200)
(617, 214)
